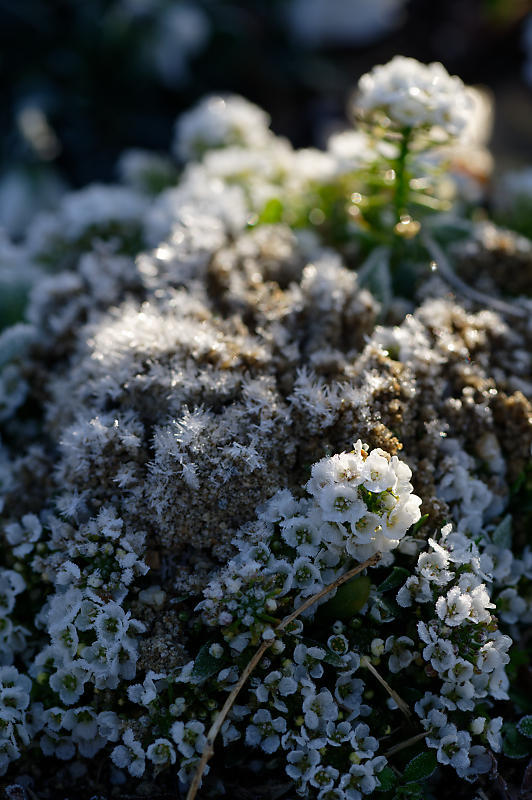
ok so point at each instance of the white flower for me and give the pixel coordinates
(439, 652)
(189, 737)
(303, 534)
(493, 734)
(337, 733)
(302, 763)
(416, 589)
(318, 709)
(162, 752)
(306, 574)
(361, 778)
(309, 661)
(510, 605)
(405, 513)
(130, 755)
(340, 502)
(454, 608)
(274, 686)
(401, 656)
(23, 537)
(407, 94)
(82, 722)
(378, 474)
(11, 584)
(264, 731)
(454, 749)
(433, 566)
(324, 777)
(144, 693)
(362, 743)
(69, 573)
(69, 683)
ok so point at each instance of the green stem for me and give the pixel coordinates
(401, 177)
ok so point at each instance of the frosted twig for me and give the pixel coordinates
(214, 730)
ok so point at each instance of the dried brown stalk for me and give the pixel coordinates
(393, 694)
(214, 730)
(401, 746)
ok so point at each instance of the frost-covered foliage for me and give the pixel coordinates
(178, 474)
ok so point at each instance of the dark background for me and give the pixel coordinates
(87, 69)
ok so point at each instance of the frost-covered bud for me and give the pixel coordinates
(216, 650)
(377, 647)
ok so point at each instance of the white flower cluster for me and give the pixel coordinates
(220, 122)
(14, 701)
(92, 637)
(309, 709)
(407, 94)
(360, 503)
(12, 636)
(461, 644)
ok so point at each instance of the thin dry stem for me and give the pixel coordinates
(393, 694)
(214, 730)
(407, 742)
(449, 275)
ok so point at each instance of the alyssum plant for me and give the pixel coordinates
(243, 524)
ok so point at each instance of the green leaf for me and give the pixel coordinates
(387, 780)
(421, 767)
(513, 744)
(272, 212)
(206, 665)
(524, 726)
(419, 523)
(348, 600)
(397, 577)
(502, 535)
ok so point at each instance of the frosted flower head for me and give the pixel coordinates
(220, 122)
(406, 94)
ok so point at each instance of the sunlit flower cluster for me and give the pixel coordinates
(405, 94)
